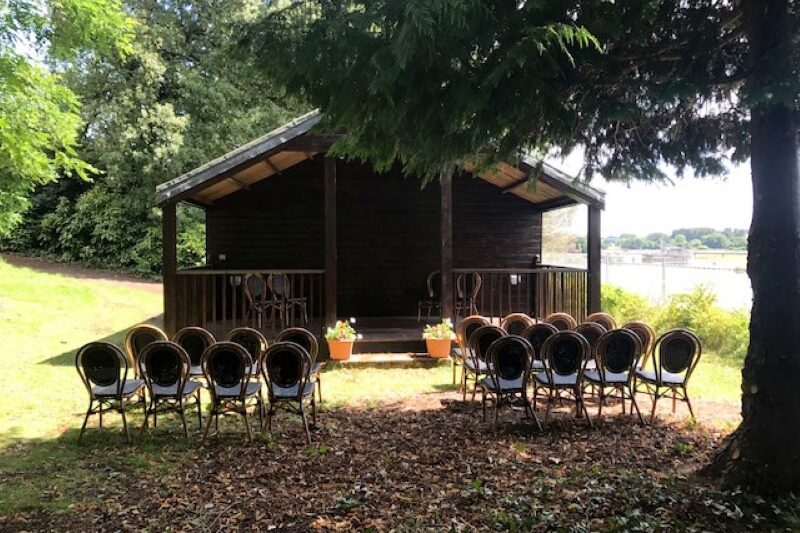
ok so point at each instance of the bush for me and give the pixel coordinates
(723, 331)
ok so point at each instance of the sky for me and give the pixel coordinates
(643, 208)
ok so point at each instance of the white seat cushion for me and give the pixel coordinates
(129, 387)
(666, 377)
(558, 380)
(291, 392)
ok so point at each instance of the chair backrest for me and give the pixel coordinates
(516, 323)
(678, 351)
(467, 327)
(482, 338)
(565, 353)
(618, 351)
(468, 285)
(251, 340)
(562, 321)
(278, 284)
(303, 337)
(591, 331)
(194, 340)
(140, 336)
(101, 364)
(537, 334)
(604, 319)
(509, 360)
(286, 368)
(254, 287)
(226, 364)
(647, 336)
(434, 284)
(165, 364)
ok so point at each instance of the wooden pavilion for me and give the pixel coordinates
(353, 242)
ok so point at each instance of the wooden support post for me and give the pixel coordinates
(446, 229)
(169, 266)
(331, 259)
(593, 259)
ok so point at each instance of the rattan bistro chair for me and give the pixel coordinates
(476, 363)
(166, 369)
(536, 335)
(675, 357)
(461, 352)
(281, 289)
(226, 366)
(604, 319)
(104, 371)
(467, 288)
(260, 301)
(137, 338)
(286, 370)
(509, 364)
(309, 342)
(254, 342)
(516, 323)
(617, 354)
(591, 331)
(562, 321)
(564, 354)
(647, 336)
(432, 303)
(195, 341)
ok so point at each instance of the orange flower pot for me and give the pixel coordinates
(438, 348)
(340, 350)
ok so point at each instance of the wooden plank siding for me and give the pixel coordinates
(388, 231)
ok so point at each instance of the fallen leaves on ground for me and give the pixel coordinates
(428, 463)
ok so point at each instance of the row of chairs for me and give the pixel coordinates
(594, 354)
(168, 375)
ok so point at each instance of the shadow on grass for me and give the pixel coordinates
(118, 338)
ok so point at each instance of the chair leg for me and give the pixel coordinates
(655, 401)
(247, 423)
(602, 397)
(549, 405)
(146, 419)
(260, 409)
(208, 425)
(453, 368)
(483, 403)
(319, 388)
(305, 422)
(86, 420)
(635, 405)
(689, 403)
(313, 411)
(497, 399)
(181, 411)
(674, 393)
(125, 421)
(101, 414)
(199, 409)
(464, 382)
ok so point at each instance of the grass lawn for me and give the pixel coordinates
(45, 317)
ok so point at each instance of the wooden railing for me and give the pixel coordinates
(534, 291)
(215, 299)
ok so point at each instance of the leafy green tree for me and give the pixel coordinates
(637, 84)
(716, 240)
(39, 116)
(680, 240)
(175, 101)
(695, 243)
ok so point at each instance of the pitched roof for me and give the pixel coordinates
(295, 142)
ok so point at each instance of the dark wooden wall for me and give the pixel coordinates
(388, 231)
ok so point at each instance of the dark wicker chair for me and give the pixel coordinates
(281, 289)
(254, 342)
(536, 335)
(309, 342)
(195, 341)
(104, 371)
(604, 319)
(617, 354)
(226, 367)
(432, 303)
(467, 288)
(564, 354)
(562, 321)
(516, 323)
(461, 351)
(137, 338)
(647, 336)
(509, 364)
(286, 370)
(476, 364)
(260, 301)
(675, 356)
(166, 369)
(591, 331)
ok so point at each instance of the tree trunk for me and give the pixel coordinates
(763, 454)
